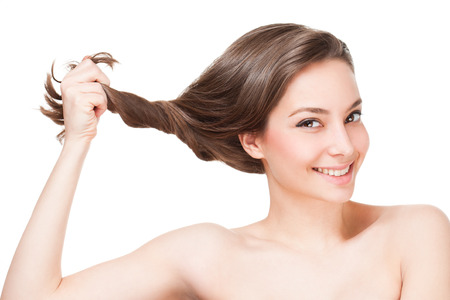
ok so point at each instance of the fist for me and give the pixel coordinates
(84, 101)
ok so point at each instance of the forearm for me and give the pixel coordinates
(36, 267)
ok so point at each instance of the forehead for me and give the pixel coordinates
(326, 84)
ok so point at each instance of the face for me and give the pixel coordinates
(315, 142)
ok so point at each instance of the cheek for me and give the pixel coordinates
(286, 148)
(360, 140)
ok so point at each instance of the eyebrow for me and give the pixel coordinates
(317, 110)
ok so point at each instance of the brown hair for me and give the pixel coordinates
(234, 95)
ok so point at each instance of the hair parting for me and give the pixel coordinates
(233, 96)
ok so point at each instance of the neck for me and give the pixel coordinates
(306, 224)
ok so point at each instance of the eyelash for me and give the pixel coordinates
(355, 113)
(354, 117)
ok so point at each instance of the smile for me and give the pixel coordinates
(332, 172)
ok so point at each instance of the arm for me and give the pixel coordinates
(426, 254)
(35, 269)
(35, 272)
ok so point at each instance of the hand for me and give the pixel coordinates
(84, 101)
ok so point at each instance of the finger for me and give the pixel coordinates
(87, 71)
(99, 110)
(92, 73)
(99, 102)
(91, 87)
(72, 91)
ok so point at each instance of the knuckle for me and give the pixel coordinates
(105, 79)
(86, 62)
(100, 90)
(68, 89)
(64, 84)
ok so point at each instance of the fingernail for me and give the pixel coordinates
(87, 57)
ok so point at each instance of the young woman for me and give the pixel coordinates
(283, 101)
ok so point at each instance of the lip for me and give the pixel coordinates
(338, 167)
(339, 180)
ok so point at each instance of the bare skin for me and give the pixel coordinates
(314, 243)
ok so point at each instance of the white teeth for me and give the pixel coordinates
(335, 173)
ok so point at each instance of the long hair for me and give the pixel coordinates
(234, 95)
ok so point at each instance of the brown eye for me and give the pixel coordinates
(309, 123)
(353, 117)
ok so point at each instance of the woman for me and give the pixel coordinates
(283, 101)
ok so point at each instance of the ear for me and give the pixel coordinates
(251, 142)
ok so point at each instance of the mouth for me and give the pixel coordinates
(334, 172)
(341, 175)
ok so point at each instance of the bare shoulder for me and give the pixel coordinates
(170, 266)
(409, 225)
(194, 251)
(203, 236)
(414, 221)
(403, 219)
(199, 239)
(424, 228)
(420, 234)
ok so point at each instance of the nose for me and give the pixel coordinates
(340, 142)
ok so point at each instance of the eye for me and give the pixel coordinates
(309, 123)
(353, 117)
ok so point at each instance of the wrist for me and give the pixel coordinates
(76, 146)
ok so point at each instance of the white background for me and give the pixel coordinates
(139, 183)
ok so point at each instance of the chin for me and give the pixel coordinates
(338, 196)
(337, 200)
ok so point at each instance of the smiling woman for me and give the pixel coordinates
(315, 128)
(282, 100)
